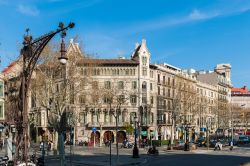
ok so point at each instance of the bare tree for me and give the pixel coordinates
(183, 104)
(116, 96)
(54, 89)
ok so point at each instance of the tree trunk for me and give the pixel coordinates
(172, 134)
(55, 142)
(61, 149)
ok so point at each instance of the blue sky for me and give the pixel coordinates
(186, 33)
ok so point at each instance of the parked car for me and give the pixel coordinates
(235, 142)
(243, 139)
(212, 143)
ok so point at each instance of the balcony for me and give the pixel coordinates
(106, 124)
(223, 92)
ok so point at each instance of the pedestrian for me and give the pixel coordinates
(49, 146)
(169, 144)
(41, 145)
(1, 145)
(51, 143)
(231, 145)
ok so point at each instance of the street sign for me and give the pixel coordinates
(93, 129)
(144, 133)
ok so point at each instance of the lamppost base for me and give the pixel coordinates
(136, 152)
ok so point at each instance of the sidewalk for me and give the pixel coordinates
(95, 160)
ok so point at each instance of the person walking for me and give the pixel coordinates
(231, 145)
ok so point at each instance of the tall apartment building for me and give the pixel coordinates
(206, 116)
(221, 78)
(240, 99)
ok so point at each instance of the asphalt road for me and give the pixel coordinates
(191, 159)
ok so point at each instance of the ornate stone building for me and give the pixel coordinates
(165, 98)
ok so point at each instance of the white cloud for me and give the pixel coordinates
(28, 10)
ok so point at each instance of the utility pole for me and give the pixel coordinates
(207, 135)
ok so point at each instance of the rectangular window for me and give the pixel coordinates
(164, 81)
(151, 74)
(144, 71)
(173, 82)
(151, 86)
(57, 88)
(144, 100)
(106, 100)
(134, 84)
(164, 90)
(127, 72)
(95, 85)
(133, 99)
(159, 90)
(168, 92)
(152, 100)
(82, 99)
(159, 78)
(168, 80)
(120, 85)
(107, 85)
(82, 118)
(169, 105)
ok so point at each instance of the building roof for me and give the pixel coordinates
(108, 61)
(8, 68)
(240, 91)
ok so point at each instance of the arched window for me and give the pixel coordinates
(124, 115)
(83, 118)
(132, 117)
(94, 117)
(127, 72)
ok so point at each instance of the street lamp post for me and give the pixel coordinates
(31, 52)
(135, 150)
(186, 146)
